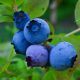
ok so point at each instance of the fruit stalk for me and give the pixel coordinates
(73, 32)
(15, 7)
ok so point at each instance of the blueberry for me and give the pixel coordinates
(36, 31)
(20, 43)
(63, 56)
(20, 19)
(36, 56)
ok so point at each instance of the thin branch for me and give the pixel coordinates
(73, 32)
(9, 72)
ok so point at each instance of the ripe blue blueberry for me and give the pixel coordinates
(36, 31)
(63, 56)
(37, 55)
(20, 19)
(20, 43)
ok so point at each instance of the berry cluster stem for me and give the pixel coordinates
(15, 7)
(73, 32)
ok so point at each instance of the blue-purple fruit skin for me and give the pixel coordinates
(38, 55)
(20, 43)
(36, 31)
(20, 19)
(63, 56)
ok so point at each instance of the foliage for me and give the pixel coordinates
(77, 13)
(13, 66)
(34, 8)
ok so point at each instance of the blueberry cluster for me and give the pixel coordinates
(31, 40)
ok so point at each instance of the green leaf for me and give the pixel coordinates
(72, 78)
(77, 13)
(50, 75)
(5, 19)
(6, 2)
(5, 14)
(10, 56)
(23, 57)
(19, 2)
(35, 8)
(2, 62)
(36, 76)
(10, 3)
(18, 64)
(5, 10)
(37, 73)
(5, 49)
(61, 75)
(76, 74)
(19, 68)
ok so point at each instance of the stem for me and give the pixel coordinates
(5, 67)
(30, 78)
(9, 72)
(15, 7)
(73, 32)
